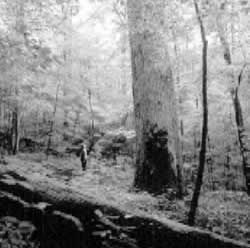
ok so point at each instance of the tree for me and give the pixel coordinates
(156, 121)
(52, 122)
(202, 157)
(239, 120)
(19, 28)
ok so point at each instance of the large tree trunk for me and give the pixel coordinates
(154, 97)
(242, 137)
(66, 218)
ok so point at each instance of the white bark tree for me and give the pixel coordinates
(156, 120)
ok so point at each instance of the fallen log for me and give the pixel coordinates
(52, 226)
(99, 229)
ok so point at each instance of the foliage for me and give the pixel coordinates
(16, 233)
(82, 47)
(42, 45)
(224, 212)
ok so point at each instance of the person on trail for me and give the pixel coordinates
(83, 156)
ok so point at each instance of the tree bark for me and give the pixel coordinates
(154, 98)
(202, 157)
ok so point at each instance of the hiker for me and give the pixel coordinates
(83, 156)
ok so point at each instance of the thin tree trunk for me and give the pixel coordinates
(67, 59)
(76, 122)
(67, 55)
(20, 23)
(1, 114)
(178, 79)
(181, 124)
(202, 158)
(51, 130)
(210, 164)
(15, 126)
(244, 149)
(15, 131)
(36, 126)
(91, 112)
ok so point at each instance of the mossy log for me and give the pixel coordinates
(76, 220)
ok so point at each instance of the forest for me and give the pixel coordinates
(124, 123)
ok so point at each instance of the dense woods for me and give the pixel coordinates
(119, 119)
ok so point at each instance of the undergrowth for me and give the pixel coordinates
(223, 212)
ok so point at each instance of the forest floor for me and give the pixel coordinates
(223, 212)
